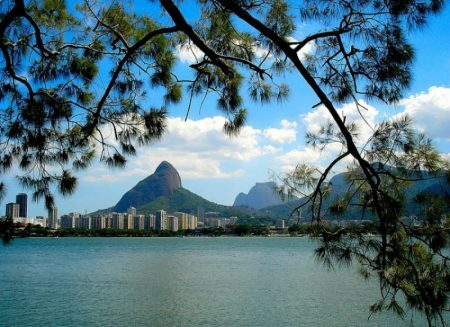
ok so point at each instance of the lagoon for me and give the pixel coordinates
(204, 281)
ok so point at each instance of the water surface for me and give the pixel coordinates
(179, 282)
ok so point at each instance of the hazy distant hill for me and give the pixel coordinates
(260, 196)
(339, 185)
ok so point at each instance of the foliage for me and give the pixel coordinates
(56, 117)
(39, 231)
(409, 257)
(6, 230)
(214, 231)
(242, 229)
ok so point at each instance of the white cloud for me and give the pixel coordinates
(286, 134)
(280, 136)
(307, 49)
(365, 120)
(307, 155)
(260, 52)
(313, 122)
(189, 53)
(104, 174)
(206, 137)
(198, 149)
(430, 111)
(288, 124)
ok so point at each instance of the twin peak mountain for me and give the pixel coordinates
(163, 190)
(162, 183)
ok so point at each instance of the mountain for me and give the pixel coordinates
(163, 182)
(186, 201)
(339, 185)
(260, 196)
(163, 190)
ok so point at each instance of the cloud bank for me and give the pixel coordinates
(199, 149)
(430, 111)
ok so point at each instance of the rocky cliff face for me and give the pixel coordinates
(260, 196)
(163, 182)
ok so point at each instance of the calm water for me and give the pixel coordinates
(179, 282)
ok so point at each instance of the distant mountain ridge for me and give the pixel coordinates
(163, 190)
(339, 185)
(260, 196)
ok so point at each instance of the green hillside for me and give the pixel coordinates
(186, 201)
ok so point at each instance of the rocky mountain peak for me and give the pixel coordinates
(163, 182)
(260, 196)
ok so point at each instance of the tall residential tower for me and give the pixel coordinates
(52, 221)
(22, 201)
(12, 210)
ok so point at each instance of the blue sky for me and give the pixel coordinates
(218, 168)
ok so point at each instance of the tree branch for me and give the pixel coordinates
(181, 23)
(323, 177)
(17, 11)
(131, 51)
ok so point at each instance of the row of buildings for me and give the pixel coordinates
(19, 208)
(131, 220)
(214, 219)
(18, 211)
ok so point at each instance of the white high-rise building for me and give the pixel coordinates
(132, 211)
(85, 222)
(108, 221)
(98, 222)
(72, 220)
(183, 220)
(117, 220)
(40, 220)
(172, 223)
(128, 221)
(161, 222)
(150, 222)
(192, 222)
(139, 222)
(52, 221)
(76, 219)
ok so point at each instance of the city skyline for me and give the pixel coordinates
(130, 220)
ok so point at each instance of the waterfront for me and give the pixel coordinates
(179, 282)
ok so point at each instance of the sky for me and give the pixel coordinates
(218, 167)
